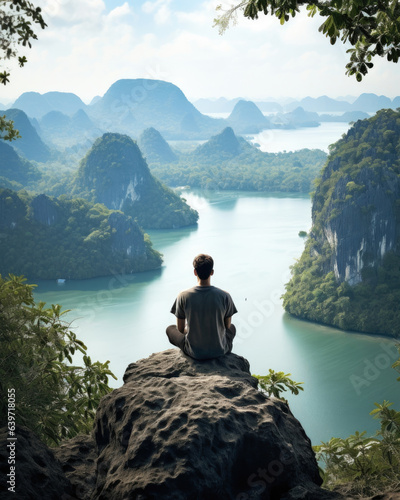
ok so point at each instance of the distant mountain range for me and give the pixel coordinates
(60, 120)
(37, 105)
(368, 103)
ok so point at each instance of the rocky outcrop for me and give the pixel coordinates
(77, 458)
(29, 470)
(177, 429)
(347, 275)
(360, 222)
(15, 169)
(126, 236)
(300, 118)
(181, 428)
(12, 211)
(37, 105)
(56, 238)
(44, 210)
(355, 207)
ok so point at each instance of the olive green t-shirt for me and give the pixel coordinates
(205, 309)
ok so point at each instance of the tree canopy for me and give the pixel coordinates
(17, 21)
(371, 27)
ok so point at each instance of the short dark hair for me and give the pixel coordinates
(203, 264)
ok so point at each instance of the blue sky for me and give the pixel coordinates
(89, 44)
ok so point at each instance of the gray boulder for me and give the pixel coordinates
(38, 475)
(183, 429)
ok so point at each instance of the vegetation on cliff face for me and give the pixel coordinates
(349, 273)
(49, 238)
(16, 172)
(55, 398)
(115, 173)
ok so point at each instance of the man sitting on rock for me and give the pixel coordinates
(203, 328)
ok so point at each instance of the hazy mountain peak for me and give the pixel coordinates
(155, 148)
(225, 143)
(246, 117)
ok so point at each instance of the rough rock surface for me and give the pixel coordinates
(39, 475)
(184, 429)
(178, 429)
(78, 457)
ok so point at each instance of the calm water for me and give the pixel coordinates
(253, 239)
(276, 140)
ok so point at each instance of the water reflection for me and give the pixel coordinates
(202, 198)
(164, 238)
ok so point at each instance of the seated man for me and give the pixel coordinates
(204, 329)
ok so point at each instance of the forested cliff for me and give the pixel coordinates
(46, 238)
(115, 173)
(349, 273)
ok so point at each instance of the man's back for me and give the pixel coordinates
(203, 313)
(205, 309)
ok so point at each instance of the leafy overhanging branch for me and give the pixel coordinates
(18, 18)
(17, 21)
(371, 27)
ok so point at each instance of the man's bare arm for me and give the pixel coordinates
(180, 323)
(227, 322)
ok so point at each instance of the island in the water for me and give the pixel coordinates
(349, 273)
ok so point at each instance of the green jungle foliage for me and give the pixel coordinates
(55, 398)
(371, 151)
(361, 465)
(250, 170)
(7, 130)
(275, 383)
(62, 238)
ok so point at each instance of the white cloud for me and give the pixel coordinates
(70, 12)
(160, 9)
(121, 14)
(86, 48)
